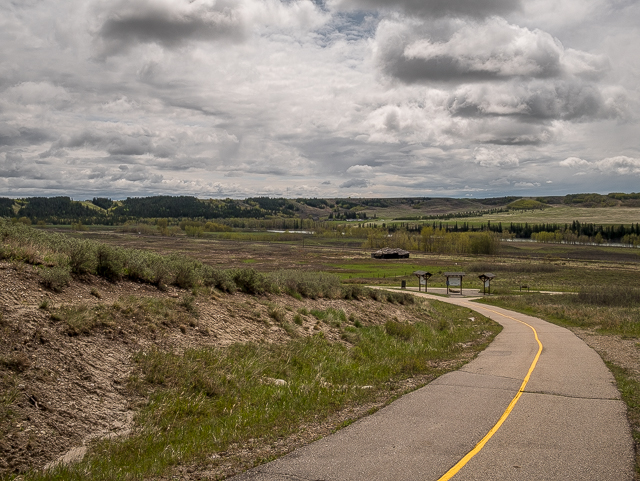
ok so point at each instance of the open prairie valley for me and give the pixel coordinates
(147, 340)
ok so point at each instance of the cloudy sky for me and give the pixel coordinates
(322, 98)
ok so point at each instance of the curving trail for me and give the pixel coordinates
(564, 421)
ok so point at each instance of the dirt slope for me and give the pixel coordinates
(59, 390)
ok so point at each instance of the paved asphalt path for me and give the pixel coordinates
(569, 423)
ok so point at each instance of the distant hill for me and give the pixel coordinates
(100, 210)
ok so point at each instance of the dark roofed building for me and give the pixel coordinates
(388, 253)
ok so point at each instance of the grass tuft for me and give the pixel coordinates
(128, 312)
(404, 331)
(17, 362)
(276, 313)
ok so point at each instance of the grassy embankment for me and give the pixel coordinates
(204, 401)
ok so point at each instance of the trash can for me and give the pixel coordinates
(403, 284)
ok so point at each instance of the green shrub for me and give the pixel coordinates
(109, 262)
(161, 275)
(484, 243)
(82, 257)
(295, 295)
(184, 271)
(309, 284)
(193, 231)
(218, 278)
(189, 304)
(136, 266)
(353, 291)
(55, 278)
(251, 281)
(377, 294)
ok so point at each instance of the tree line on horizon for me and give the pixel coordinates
(288, 214)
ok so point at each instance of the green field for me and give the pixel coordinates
(611, 268)
(561, 214)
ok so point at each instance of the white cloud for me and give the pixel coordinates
(620, 165)
(495, 157)
(526, 184)
(477, 50)
(360, 170)
(573, 162)
(492, 48)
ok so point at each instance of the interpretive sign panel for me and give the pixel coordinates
(454, 279)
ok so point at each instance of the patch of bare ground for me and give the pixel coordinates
(624, 353)
(60, 389)
(616, 349)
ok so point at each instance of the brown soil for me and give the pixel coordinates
(623, 353)
(616, 349)
(60, 391)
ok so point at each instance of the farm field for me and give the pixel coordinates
(560, 214)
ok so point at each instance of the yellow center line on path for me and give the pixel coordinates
(460, 464)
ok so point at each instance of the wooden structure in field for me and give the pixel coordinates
(486, 281)
(423, 277)
(454, 279)
(388, 253)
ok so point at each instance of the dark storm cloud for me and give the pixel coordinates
(441, 69)
(136, 174)
(12, 165)
(435, 8)
(477, 51)
(11, 136)
(536, 101)
(115, 143)
(167, 25)
(355, 183)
